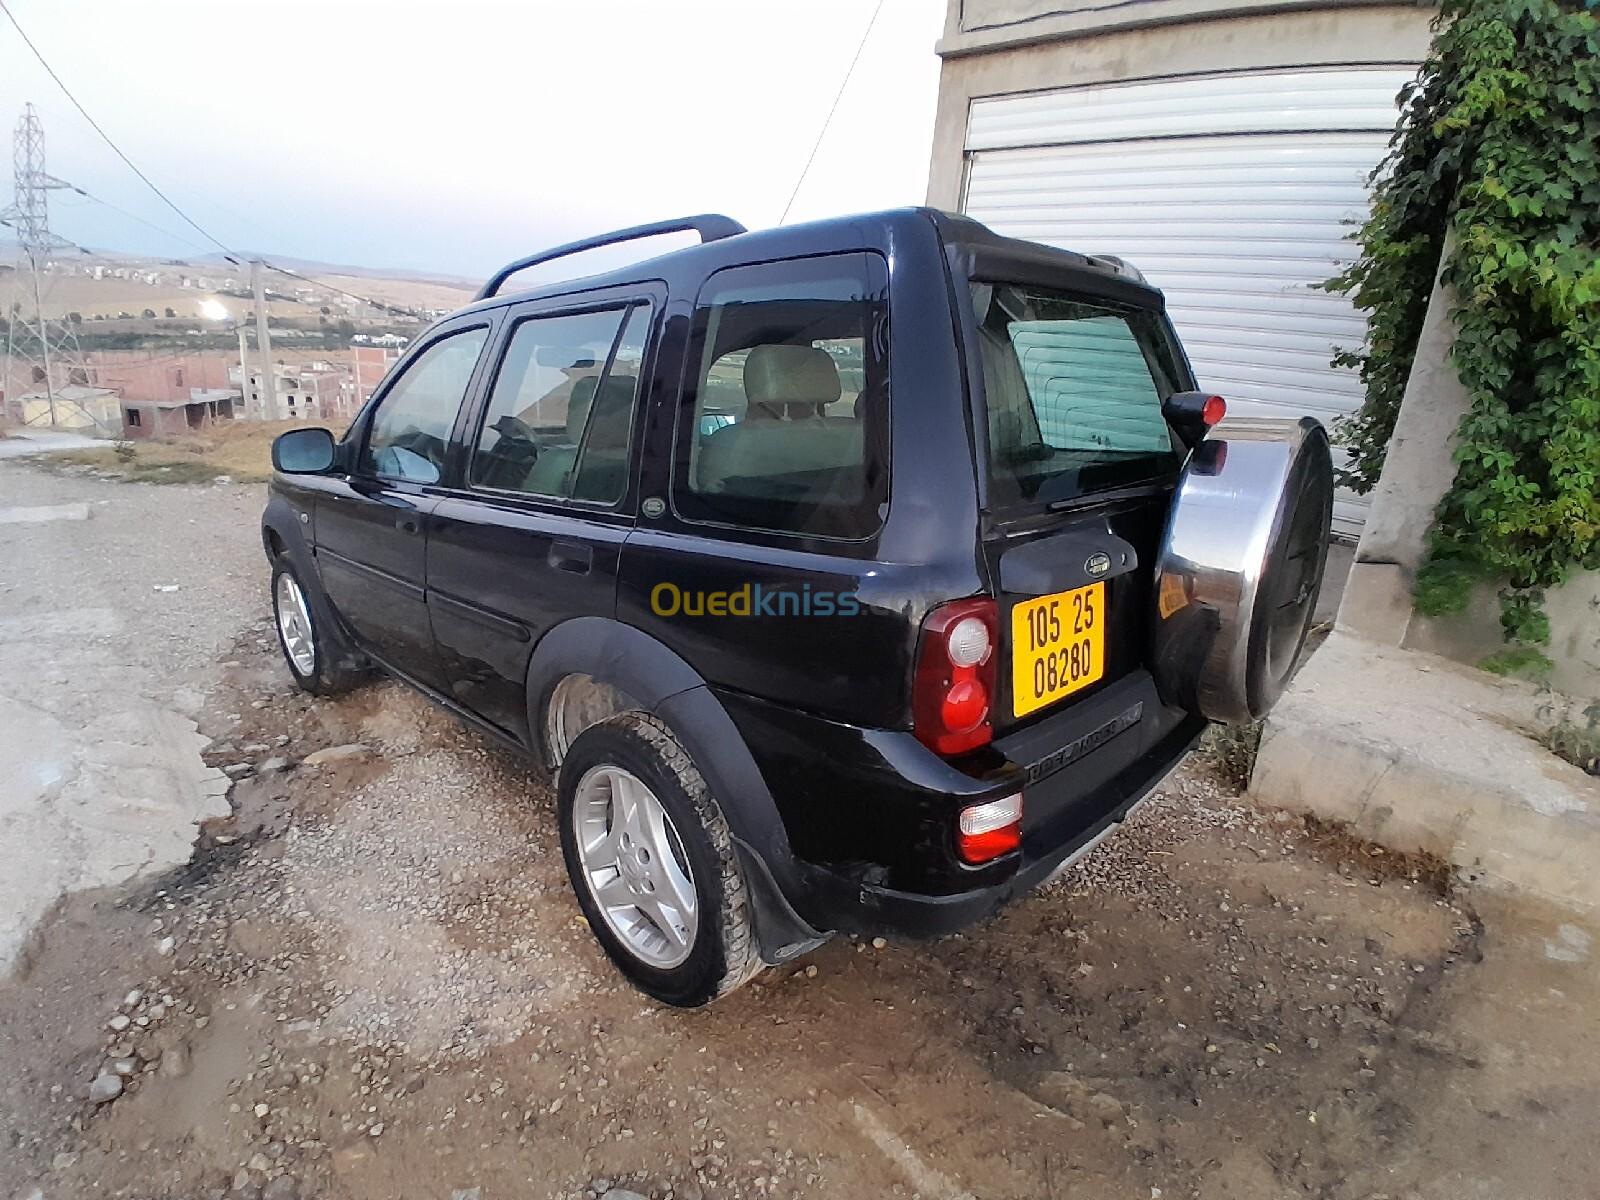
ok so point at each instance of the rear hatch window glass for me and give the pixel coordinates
(1073, 391)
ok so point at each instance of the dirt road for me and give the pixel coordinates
(115, 604)
(371, 981)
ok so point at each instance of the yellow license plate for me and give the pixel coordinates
(1058, 645)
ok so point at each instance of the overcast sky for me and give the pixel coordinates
(453, 135)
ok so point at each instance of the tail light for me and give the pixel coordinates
(953, 691)
(986, 831)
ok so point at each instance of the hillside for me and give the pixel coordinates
(107, 285)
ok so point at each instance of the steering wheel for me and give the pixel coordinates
(514, 429)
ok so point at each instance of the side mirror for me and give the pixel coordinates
(303, 452)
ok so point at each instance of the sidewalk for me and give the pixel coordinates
(1419, 753)
(17, 442)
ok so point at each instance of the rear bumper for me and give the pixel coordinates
(917, 915)
(871, 813)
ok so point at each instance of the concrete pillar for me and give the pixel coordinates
(1418, 470)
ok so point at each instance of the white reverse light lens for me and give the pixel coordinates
(969, 642)
(986, 818)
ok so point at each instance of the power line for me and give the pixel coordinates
(66, 243)
(136, 217)
(823, 132)
(95, 125)
(378, 304)
(231, 255)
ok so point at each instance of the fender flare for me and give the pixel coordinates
(664, 684)
(281, 518)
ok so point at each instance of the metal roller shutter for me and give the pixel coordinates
(1234, 194)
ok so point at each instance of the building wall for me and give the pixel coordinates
(141, 376)
(158, 422)
(94, 415)
(998, 47)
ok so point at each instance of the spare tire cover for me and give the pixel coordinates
(1240, 568)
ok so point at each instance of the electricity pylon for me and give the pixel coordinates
(40, 351)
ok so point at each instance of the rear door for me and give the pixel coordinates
(532, 534)
(371, 524)
(766, 488)
(1079, 474)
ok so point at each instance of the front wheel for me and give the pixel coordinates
(653, 863)
(318, 656)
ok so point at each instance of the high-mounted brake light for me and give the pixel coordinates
(1193, 414)
(954, 688)
(986, 831)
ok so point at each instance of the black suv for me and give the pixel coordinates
(852, 576)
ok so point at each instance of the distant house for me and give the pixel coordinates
(91, 410)
(201, 409)
(315, 390)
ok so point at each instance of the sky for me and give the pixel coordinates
(455, 135)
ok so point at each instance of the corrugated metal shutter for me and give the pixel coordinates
(1233, 193)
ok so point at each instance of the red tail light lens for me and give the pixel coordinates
(1214, 409)
(986, 831)
(954, 687)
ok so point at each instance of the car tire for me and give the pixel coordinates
(629, 791)
(316, 651)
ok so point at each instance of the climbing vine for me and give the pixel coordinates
(1498, 147)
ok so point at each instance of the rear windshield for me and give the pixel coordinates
(1073, 389)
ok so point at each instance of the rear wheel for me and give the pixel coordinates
(319, 657)
(653, 864)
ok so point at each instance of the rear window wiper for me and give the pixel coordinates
(1110, 495)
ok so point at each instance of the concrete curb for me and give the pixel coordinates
(1419, 754)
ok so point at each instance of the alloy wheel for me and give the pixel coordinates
(294, 625)
(634, 866)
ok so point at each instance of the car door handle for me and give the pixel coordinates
(573, 557)
(408, 524)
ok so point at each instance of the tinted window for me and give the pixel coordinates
(561, 411)
(785, 423)
(411, 428)
(1073, 390)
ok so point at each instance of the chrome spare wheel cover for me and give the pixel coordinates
(635, 866)
(1240, 567)
(294, 625)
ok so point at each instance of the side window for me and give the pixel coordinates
(411, 428)
(561, 412)
(784, 425)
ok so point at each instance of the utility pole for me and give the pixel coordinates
(269, 382)
(41, 345)
(244, 370)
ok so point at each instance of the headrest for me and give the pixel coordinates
(617, 394)
(613, 405)
(792, 381)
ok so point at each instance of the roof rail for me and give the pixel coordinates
(710, 226)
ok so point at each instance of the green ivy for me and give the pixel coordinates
(1499, 145)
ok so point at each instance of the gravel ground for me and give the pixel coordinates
(371, 980)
